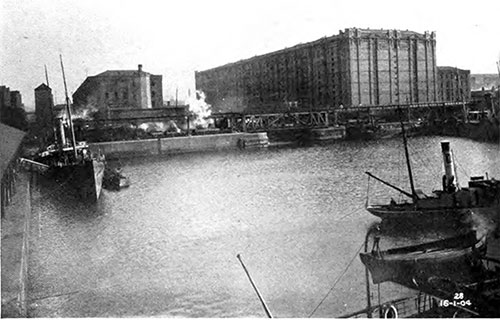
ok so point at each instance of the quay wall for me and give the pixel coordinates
(176, 145)
(15, 249)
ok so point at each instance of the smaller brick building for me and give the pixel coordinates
(132, 89)
(454, 84)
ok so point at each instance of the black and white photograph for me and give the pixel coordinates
(250, 159)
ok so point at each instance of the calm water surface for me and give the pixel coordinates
(167, 245)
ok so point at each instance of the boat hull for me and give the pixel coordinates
(413, 270)
(413, 266)
(430, 215)
(385, 212)
(84, 179)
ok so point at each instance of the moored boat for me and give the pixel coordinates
(114, 179)
(71, 163)
(81, 172)
(452, 202)
(412, 265)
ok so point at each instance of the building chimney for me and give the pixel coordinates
(140, 68)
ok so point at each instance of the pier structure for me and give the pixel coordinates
(339, 116)
(15, 212)
(321, 124)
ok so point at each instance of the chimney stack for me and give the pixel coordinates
(140, 68)
(449, 179)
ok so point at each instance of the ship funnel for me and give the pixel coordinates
(449, 179)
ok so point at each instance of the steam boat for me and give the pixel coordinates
(71, 163)
(453, 202)
(76, 167)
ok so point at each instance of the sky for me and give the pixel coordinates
(175, 38)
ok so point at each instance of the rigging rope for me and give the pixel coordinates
(462, 169)
(338, 279)
(368, 192)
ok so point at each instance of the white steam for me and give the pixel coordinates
(200, 110)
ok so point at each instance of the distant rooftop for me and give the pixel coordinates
(486, 81)
(451, 68)
(361, 32)
(122, 73)
(43, 86)
(114, 73)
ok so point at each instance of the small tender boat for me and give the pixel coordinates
(114, 179)
(413, 265)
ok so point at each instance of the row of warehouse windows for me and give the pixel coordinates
(125, 95)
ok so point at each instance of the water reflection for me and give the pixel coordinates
(70, 206)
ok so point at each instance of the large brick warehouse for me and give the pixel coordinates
(355, 67)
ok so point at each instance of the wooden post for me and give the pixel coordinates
(2, 199)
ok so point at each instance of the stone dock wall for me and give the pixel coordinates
(15, 249)
(175, 145)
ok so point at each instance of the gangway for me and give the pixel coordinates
(34, 166)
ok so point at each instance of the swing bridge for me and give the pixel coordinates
(296, 119)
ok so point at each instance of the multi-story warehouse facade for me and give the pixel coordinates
(454, 84)
(133, 89)
(355, 67)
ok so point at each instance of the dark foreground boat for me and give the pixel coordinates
(453, 276)
(72, 164)
(453, 202)
(412, 265)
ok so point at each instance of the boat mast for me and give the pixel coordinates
(498, 68)
(46, 75)
(54, 130)
(410, 175)
(68, 109)
(264, 305)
